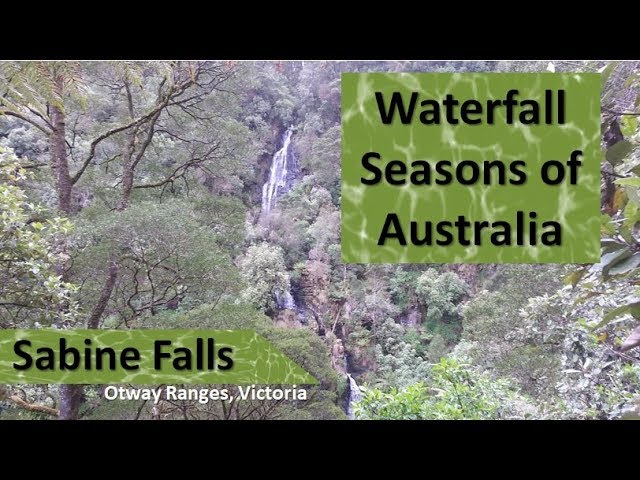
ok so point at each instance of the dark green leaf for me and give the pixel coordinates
(574, 277)
(617, 153)
(606, 225)
(608, 260)
(626, 266)
(631, 214)
(630, 308)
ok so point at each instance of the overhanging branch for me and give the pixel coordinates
(25, 118)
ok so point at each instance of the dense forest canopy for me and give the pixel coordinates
(133, 196)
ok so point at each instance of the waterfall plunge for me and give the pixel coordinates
(355, 394)
(285, 301)
(281, 165)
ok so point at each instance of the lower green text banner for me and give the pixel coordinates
(144, 357)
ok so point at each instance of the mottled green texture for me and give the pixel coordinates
(255, 359)
(364, 208)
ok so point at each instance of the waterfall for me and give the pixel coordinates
(280, 175)
(355, 395)
(285, 300)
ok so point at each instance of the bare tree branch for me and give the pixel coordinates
(32, 407)
(609, 110)
(25, 118)
(176, 91)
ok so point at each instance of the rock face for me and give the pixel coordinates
(287, 319)
(338, 359)
(360, 360)
(314, 286)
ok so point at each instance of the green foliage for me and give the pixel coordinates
(403, 286)
(440, 294)
(519, 344)
(32, 292)
(224, 216)
(304, 218)
(325, 230)
(405, 404)
(418, 339)
(164, 253)
(288, 233)
(454, 391)
(595, 383)
(437, 349)
(35, 84)
(191, 252)
(301, 345)
(603, 303)
(398, 361)
(323, 160)
(492, 314)
(268, 98)
(265, 275)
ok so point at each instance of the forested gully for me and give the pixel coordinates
(206, 195)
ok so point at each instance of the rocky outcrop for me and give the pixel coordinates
(314, 287)
(287, 319)
(338, 358)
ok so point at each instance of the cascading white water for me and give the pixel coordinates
(355, 394)
(281, 177)
(277, 182)
(285, 300)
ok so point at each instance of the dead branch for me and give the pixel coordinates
(32, 407)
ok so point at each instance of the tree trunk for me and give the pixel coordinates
(127, 157)
(71, 396)
(127, 170)
(59, 163)
(99, 308)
